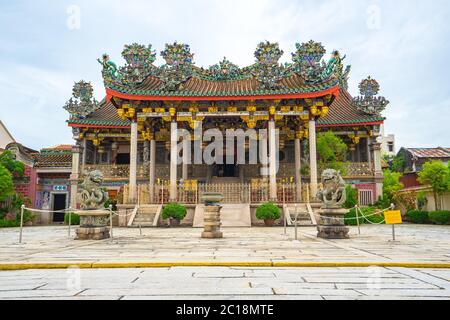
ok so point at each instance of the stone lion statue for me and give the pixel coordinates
(333, 192)
(91, 196)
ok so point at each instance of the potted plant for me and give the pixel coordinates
(269, 212)
(175, 212)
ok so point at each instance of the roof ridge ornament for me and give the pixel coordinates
(178, 67)
(309, 64)
(82, 102)
(139, 63)
(368, 102)
(225, 70)
(267, 69)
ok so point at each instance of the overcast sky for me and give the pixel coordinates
(45, 46)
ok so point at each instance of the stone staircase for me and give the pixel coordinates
(231, 215)
(145, 216)
(305, 216)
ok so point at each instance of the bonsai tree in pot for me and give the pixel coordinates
(269, 212)
(175, 212)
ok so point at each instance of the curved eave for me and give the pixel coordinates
(113, 93)
(98, 126)
(351, 124)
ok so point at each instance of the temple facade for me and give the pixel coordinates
(152, 134)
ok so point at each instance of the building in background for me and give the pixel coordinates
(46, 180)
(388, 145)
(5, 136)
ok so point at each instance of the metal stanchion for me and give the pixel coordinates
(357, 219)
(296, 218)
(140, 230)
(22, 208)
(110, 221)
(70, 221)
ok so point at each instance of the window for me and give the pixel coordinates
(391, 146)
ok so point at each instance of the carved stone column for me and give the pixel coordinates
(298, 176)
(132, 196)
(312, 158)
(75, 175)
(152, 169)
(378, 171)
(173, 161)
(272, 161)
(186, 156)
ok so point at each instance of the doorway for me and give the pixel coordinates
(59, 203)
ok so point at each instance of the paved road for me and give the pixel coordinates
(51, 244)
(184, 283)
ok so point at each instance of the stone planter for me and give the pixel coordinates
(212, 215)
(93, 225)
(269, 222)
(174, 222)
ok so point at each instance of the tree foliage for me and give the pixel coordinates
(437, 175)
(332, 151)
(16, 168)
(391, 185)
(6, 183)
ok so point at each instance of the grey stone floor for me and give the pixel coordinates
(415, 243)
(185, 283)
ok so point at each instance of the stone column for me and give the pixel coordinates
(378, 171)
(263, 153)
(132, 194)
(75, 175)
(298, 163)
(84, 151)
(186, 151)
(369, 155)
(312, 158)
(173, 160)
(272, 162)
(152, 169)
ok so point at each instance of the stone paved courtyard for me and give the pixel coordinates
(185, 283)
(414, 243)
(51, 244)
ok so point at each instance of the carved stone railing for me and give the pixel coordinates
(122, 171)
(359, 169)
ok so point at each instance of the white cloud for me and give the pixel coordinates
(40, 59)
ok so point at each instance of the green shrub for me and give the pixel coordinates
(74, 219)
(368, 212)
(268, 211)
(175, 211)
(440, 217)
(352, 197)
(9, 223)
(417, 216)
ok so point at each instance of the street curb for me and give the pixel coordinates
(261, 264)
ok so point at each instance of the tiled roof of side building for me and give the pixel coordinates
(60, 159)
(430, 152)
(341, 112)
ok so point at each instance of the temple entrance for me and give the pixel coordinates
(123, 158)
(225, 170)
(59, 203)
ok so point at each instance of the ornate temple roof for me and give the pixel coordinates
(342, 112)
(307, 76)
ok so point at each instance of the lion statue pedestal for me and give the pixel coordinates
(93, 216)
(93, 225)
(331, 224)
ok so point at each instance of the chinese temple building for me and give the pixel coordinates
(133, 134)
